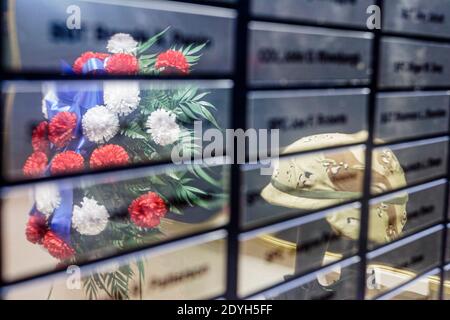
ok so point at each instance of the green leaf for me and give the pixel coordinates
(210, 117)
(134, 131)
(207, 105)
(200, 96)
(175, 209)
(90, 288)
(195, 49)
(150, 42)
(188, 112)
(200, 172)
(141, 269)
(195, 190)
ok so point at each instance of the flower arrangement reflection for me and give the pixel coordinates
(113, 125)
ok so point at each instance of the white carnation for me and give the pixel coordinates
(99, 124)
(91, 218)
(47, 198)
(122, 43)
(162, 126)
(121, 97)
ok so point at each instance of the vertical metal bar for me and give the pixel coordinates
(239, 121)
(365, 207)
(3, 10)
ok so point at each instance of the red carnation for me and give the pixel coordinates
(36, 228)
(80, 61)
(67, 162)
(35, 164)
(57, 247)
(122, 63)
(147, 210)
(39, 138)
(110, 155)
(172, 62)
(61, 127)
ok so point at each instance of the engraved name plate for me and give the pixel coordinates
(424, 207)
(298, 114)
(420, 161)
(307, 288)
(391, 266)
(407, 115)
(266, 257)
(40, 42)
(191, 270)
(406, 63)
(349, 12)
(430, 17)
(286, 55)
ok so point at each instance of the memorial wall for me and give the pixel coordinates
(120, 178)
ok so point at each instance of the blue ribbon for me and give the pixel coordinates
(94, 65)
(62, 216)
(65, 98)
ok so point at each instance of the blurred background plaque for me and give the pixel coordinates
(350, 12)
(429, 17)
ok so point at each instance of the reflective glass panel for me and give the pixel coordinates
(71, 221)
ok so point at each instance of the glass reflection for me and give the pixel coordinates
(391, 266)
(447, 283)
(400, 214)
(404, 164)
(305, 183)
(447, 249)
(195, 270)
(85, 126)
(273, 256)
(337, 282)
(72, 221)
(425, 288)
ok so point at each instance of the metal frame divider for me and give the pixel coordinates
(239, 121)
(365, 204)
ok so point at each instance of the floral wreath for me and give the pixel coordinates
(113, 125)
